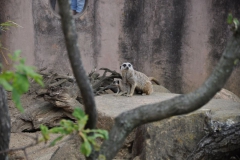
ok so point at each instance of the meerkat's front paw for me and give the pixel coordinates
(129, 95)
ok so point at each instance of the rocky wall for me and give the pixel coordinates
(178, 42)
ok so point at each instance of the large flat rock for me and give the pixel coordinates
(175, 137)
(110, 105)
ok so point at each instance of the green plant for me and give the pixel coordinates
(67, 127)
(3, 28)
(17, 81)
(233, 21)
(6, 25)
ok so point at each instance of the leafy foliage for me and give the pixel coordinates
(3, 28)
(234, 21)
(6, 25)
(67, 127)
(18, 81)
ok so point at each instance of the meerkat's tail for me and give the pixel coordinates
(154, 80)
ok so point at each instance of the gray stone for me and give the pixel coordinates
(160, 88)
(173, 138)
(69, 151)
(176, 137)
(227, 95)
(110, 106)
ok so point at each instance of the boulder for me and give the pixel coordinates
(39, 151)
(69, 150)
(40, 113)
(173, 138)
(227, 95)
(177, 137)
(110, 106)
(160, 89)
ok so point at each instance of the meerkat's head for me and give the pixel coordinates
(116, 82)
(126, 66)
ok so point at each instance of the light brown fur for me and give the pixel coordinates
(136, 79)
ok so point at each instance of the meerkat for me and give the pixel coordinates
(123, 88)
(136, 80)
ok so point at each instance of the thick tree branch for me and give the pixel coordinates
(217, 144)
(182, 104)
(5, 127)
(70, 35)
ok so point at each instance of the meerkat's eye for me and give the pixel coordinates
(124, 65)
(117, 82)
(129, 65)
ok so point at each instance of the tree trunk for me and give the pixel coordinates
(4, 124)
(221, 144)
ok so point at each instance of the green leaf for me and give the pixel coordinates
(16, 55)
(236, 23)
(8, 75)
(5, 84)
(82, 122)
(57, 130)
(86, 148)
(16, 99)
(45, 132)
(92, 141)
(100, 133)
(101, 157)
(78, 113)
(44, 129)
(56, 140)
(230, 18)
(236, 61)
(29, 71)
(21, 83)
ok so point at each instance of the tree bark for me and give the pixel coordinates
(182, 104)
(219, 144)
(4, 124)
(70, 34)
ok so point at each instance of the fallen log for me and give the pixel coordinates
(222, 141)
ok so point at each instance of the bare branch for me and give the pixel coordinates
(70, 35)
(182, 104)
(57, 83)
(104, 78)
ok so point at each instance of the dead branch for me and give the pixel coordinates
(105, 80)
(217, 144)
(57, 83)
(111, 87)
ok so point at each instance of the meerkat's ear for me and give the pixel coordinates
(120, 66)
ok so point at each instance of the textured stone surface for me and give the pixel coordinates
(110, 106)
(160, 88)
(177, 137)
(69, 150)
(227, 95)
(173, 138)
(177, 42)
(37, 152)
